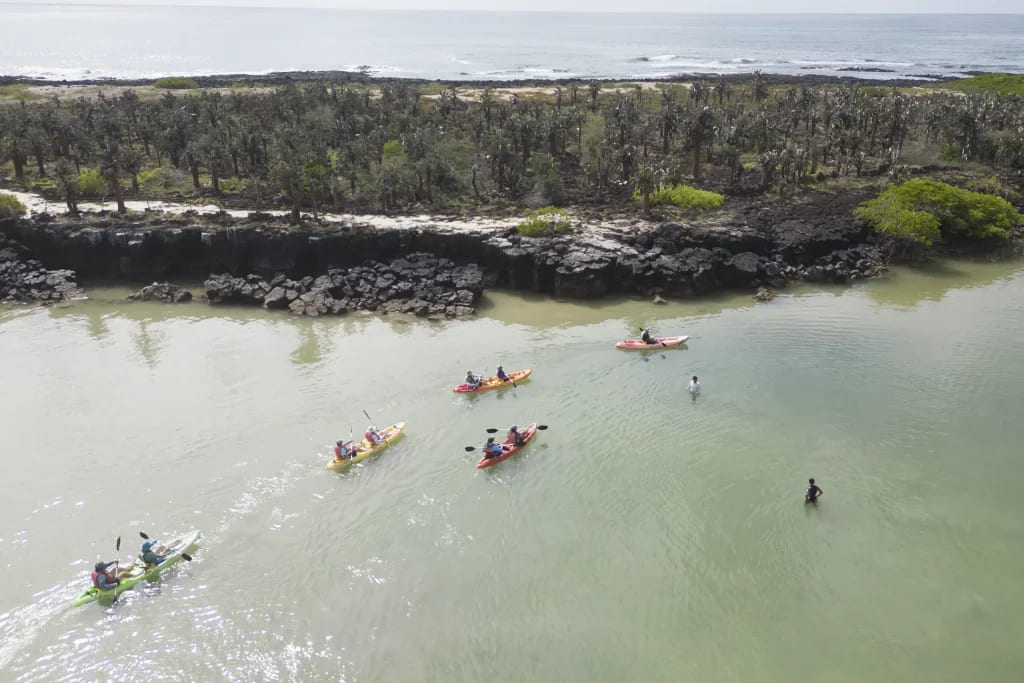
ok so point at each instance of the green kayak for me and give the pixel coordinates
(138, 571)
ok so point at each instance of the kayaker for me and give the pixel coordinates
(150, 556)
(472, 380)
(501, 374)
(102, 579)
(814, 492)
(344, 450)
(491, 449)
(694, 385)
(514, 437)
(646, 337)
(373, 436)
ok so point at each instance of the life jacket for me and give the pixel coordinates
(96, 578)
(369, 437)
(338, 453)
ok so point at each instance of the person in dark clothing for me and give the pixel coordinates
(646, 337)
(150, 556)
(103, 579)
(515, 437)
(813, 493)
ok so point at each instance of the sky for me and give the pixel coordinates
(861, 6)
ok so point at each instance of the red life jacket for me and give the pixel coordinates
(338, 453)
(369, 437)
(96, 578)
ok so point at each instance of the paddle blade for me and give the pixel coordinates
(144, 535)
(188, 558)
(118, 544)
(542, 427)
(470, 448)
(492, 430)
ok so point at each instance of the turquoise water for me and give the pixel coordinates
(643, 536)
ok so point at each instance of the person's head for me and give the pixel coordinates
(469, 372)
(500, 368)
(695, 378)
(490, 440)
(147, 545)
(100, 566)
(514, 428)
(340, 443)
(811, 481)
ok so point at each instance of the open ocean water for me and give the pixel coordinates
(97, 41)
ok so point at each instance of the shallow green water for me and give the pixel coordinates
(643, 537)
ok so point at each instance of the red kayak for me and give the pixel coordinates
(657, 344)
(509, 448)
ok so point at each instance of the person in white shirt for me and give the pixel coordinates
(694, 386)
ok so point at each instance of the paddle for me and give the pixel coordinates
(659, 341)
(188, 558)
(117, 564)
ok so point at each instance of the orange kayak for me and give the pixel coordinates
(508, 448)
(656, 344)
(493, 382)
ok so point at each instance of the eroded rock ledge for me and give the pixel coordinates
(440, 270)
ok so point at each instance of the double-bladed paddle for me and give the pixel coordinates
(494, 430)
(188, 558)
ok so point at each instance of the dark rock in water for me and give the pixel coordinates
(764, 294)
(224, 288)
(164, 292)
(24, 279)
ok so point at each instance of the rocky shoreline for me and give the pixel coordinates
(427, 270)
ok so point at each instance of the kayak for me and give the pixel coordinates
(509, 448)
(493, 382)
(661, 343)
(366, 449)
(138, 571)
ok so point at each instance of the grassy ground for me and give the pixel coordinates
(1003, 84)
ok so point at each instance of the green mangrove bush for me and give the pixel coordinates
(10, 206)
(685, 197)
(923, 211)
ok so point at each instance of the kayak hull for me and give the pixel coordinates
(634, 344)
(367, 449)
(510, 450)
(139, 571)
(493, 382)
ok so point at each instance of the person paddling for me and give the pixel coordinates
(646, 337)
(694, 386)
(102, 579)
(491, 449)
(373, 436)
(344, 450)
(501, 374)
(150, 556)
(472, 380)
(813, 493)
(514, 437)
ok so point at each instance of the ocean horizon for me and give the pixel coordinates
(88, 41)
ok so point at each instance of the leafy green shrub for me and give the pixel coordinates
(91, 182)
(548, 219)
(925, 210)
(175, 83)
(10, 206)
(685, 197)
(1004, 84)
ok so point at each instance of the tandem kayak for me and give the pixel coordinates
(661, 343)
(508, 448)
(138, 571)
(493, 382)
(366, 449)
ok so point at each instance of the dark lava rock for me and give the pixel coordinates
(164, 292)
(24, 279)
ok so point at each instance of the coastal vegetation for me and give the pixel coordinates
(546, 220)
(10, 205)
(397, 146)
(923, 211)
(175, 83)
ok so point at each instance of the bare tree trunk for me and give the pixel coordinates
(115, 187)
(19, 165)
(647, 204)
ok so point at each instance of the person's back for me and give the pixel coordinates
(514, 436)
(373, 436)
(501, 374)
(102, 579)
(492, 449)
(645, 337)
(149, 556)
(342, 451)
(813, 492)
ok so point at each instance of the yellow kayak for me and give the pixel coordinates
(364, 449)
